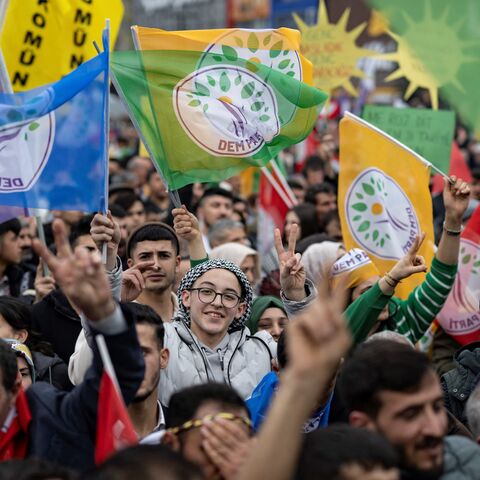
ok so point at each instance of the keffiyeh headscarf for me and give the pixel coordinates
(192, 275)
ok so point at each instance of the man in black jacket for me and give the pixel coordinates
(57, 426)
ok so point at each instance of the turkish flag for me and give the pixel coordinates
(114, 427)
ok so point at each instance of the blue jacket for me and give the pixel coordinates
(63, 426)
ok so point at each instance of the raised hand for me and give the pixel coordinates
(187, 227)
(43, 285)
(456, 195)
(80, 275)
(292, 270)
(227, 444)
(318, 337)
(105, 229)
(411, 262)
(133, 282)
(185, 224)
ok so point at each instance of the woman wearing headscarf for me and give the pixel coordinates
(319, 258)
(268, 313)
(244, 257)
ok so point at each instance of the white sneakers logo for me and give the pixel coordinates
(25, 147)
(224, 106)
(380, 215)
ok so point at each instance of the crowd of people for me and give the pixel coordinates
(232, 364)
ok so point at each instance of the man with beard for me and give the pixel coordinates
(145, 411)
(390, 388)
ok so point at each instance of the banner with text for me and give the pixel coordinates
(427, 132)
(44, 40)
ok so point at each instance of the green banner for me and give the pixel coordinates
(427, 132)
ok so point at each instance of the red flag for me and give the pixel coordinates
(460, 317)
(114, 427)
(273, 205)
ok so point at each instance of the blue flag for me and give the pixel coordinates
(53, 142)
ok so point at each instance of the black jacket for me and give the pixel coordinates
(58, 323)
(52, 370)
(63, 425)
(460, 382)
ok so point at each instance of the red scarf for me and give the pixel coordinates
(14, 441)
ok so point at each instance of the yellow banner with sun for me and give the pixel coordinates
(332, 50)
(383, 191)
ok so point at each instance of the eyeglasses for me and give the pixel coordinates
(207, 295)
(188, 425)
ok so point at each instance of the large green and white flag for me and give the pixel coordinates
(211, 103)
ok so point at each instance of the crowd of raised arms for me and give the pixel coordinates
(232, 365)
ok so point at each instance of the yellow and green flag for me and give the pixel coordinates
(383, 191)
(44, 40)
(211, 103)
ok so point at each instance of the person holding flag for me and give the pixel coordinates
(43, 421)
(413, 316)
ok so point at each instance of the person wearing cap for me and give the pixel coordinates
(26, 369)
(374, 308)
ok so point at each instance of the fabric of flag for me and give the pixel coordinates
(445, 49)
(211, 103)
(114, 427)
(273, 205)
(53, 142)
(383, 197)
(460, 317)
(44, 40)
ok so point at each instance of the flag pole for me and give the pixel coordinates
(106, 48)
(173, 194)
(394, 140)
(106, 359)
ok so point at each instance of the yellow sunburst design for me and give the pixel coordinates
(332, 50)
(422, 49)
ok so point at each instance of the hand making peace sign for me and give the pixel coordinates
(292, 270)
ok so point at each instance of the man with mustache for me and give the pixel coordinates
(391, 388)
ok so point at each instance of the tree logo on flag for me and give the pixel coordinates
(25, 146)
(249, 49)
(380, 215)
(227, 110)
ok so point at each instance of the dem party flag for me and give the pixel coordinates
(208, 104)
(460, 316)
(53, 142)
(384, 197)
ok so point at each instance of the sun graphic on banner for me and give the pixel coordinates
(332, 50)
(422, 50)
